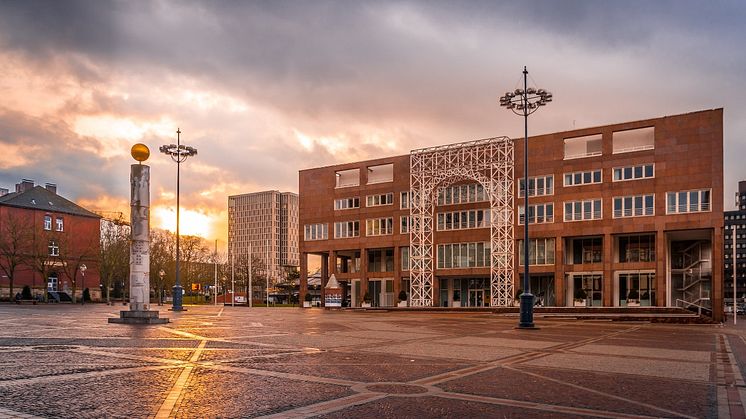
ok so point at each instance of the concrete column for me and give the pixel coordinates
(363, 275)
(140, 243)
(662, 258)
(303, 277)
(717, 273)
(608, 255)
(324, 274)
(560, 285)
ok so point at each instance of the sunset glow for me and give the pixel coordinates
(265, 91)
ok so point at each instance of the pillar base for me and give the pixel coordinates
(139, 317)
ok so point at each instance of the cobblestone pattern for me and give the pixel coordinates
(239, 362)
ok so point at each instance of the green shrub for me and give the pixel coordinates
(402, 296)
(308, 297)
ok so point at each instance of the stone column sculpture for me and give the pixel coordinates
(139, 311)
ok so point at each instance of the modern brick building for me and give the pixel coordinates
(623, 215)
(47, 239)
(266, 222)
(735, 221)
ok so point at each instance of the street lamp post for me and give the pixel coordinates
(525, 102)
(178, 153)
(82, 268)
(161, 274)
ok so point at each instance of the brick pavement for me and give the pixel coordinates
(67, 361)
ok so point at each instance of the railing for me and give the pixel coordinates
(582, 155)
(635, 148)
(688, 304)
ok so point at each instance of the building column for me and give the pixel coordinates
(608, 283)
(560, 285)
(397, 274)
(363, 276)
(661, 269)
(717, 273)
(324, 275)
(303, 278)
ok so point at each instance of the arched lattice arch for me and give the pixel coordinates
(489, 162)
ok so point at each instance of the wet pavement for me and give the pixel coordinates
(67, 361)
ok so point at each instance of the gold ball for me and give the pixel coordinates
(140, 152)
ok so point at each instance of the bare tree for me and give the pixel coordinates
(76, 250)
(114, 254)
(44, 256)
(15, 245)
(162, 250)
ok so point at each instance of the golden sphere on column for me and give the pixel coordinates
(140, 152)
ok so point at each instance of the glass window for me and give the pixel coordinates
(60, 224)
(47, 222)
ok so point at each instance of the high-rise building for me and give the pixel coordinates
(267, 223)
(735, 222)
(622, 215)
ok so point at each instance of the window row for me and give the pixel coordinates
(378, 200)
(644, 171)
(347, 203)
(688, 201)
(346, 229)
(583, 178)
(464, 255)
(462, 194)
(460, 220)
(316, 232)
(634, 206)
(59, 224)
(376, 174)
(537, 186)
(626, 141)
(584, 210)
(537, 214)
(379, 226)
(540, 251)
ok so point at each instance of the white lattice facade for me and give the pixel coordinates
(488, 162)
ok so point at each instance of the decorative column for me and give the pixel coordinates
(139, 311)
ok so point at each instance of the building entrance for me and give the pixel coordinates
(636, 289)
(585, 289)
(476, 298)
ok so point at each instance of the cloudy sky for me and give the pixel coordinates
(263, 89)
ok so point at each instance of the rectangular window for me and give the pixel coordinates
(644, 171)
(586, 146)
(537, 186)
(633, 140)
(463, 255)
(585, 250)
(379, 226)
(404, 258)
(540, 251)
(583, 210)
(462, 220)
(688, 201)
(461, 194)
(640, 248)
(381, 173)
(316, 232)
(405, 224)
(47, 222)
(60, 224)
(634, 206)
(54, 248)
(346, 203)
(346, 178)
(378, 200)
(346, 229)
(404, 200)
(537, 214)
(583, 178)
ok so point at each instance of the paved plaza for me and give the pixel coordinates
(67, 361)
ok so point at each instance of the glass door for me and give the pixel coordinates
(476, 298)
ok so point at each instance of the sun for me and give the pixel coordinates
(191, 223)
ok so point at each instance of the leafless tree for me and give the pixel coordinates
(114, 254)
(15, 245)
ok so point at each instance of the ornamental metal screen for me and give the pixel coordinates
(489, 162)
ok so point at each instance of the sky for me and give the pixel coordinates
(265, 88)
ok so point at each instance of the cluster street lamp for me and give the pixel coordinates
(524, 102)
(178, 153)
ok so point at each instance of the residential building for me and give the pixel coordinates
(735, 223)
(265, 224)
(49, 239)
(623, 215)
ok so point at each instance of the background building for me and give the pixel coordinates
(45, 240)
(622, 215)
(268, 221)
(735, 221)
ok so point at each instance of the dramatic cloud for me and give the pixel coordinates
(263, 89)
